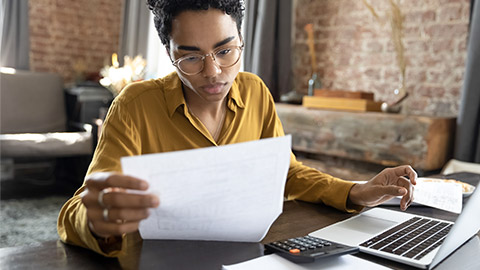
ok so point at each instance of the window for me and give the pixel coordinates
(158, 62)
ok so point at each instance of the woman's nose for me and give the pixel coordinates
(210, 68)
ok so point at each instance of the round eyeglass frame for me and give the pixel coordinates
(211, 54)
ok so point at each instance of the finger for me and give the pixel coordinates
(406, 200)
(115, 214)
(412, 174)
(102, 228)
(129, 200)
(406, 183)
(406, 170)
(118, 181)
(120, 200)
(380, 194)
(391, 190)
(408, 197)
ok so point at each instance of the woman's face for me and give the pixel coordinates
(202, 32)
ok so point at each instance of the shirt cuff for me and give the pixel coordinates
(108, 247)
(350, 207)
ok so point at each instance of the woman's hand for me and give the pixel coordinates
(389, 183)
(111, 209)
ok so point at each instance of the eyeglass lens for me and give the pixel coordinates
(194, 63)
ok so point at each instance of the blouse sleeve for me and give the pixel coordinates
(119, 138)
(305, 183)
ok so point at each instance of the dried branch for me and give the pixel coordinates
(396, 23)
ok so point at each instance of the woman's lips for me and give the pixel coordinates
(213, 88)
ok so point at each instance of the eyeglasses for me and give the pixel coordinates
(194, 63)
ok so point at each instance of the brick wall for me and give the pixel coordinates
(73, 35)
(355, 52)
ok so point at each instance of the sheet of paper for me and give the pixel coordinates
(442, 195)
(276, 262)
(226, 193)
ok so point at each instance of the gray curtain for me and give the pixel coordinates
(134, 35)
(15, 41)
(268, 43)
(467, 146)
(472, 4)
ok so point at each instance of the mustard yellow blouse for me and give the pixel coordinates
(152, 117)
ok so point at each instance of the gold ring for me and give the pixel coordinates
(105, 214)
(100, 198)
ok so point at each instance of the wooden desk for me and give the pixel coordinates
(297, 219)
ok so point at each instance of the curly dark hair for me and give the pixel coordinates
(164, 12)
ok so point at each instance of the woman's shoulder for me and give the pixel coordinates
(251, 86)
(247, 77)
(146, 89)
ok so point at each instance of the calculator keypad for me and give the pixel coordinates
(301, 244)
(308, 249)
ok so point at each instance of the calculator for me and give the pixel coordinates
(308, 249)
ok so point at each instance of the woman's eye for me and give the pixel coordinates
(192, 58)
(224, 52)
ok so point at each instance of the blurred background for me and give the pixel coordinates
(63, 62)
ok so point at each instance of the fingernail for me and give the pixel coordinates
(143, 185)
(154, 201)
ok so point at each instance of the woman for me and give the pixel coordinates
(206, 102)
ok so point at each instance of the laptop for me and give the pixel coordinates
(415, 240)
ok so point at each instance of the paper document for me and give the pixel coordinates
(226, 193)
(276, 262)
(445, 195)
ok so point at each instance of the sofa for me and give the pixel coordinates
(35, 131)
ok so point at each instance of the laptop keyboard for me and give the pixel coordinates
(413, 238)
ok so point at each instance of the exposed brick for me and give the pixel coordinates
(413, 31)
(61, 32)
(431, 91)
(391, 74)
(417, 75)
(416, 105)
(417, 17)
(462, 45)
(446, 30)
(436, 76)
(357, 53)
(373, 46)
(416, 45)
(413, 3)
(450, 13)
(442, 45)
(373, 73)
(443, 2)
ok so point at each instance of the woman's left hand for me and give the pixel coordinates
(389, 183)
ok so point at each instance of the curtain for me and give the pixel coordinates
(15, 41)
(472, 4)
(467, 145)
(134, 35)
(268, 43)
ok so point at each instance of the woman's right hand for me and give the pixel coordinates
(111, 209)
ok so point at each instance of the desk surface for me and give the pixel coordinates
(297, 219)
